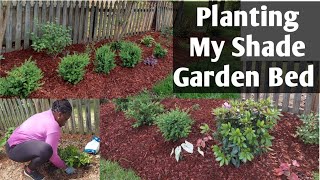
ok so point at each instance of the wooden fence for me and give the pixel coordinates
(89, 20)
(84, 119)
(298, 101)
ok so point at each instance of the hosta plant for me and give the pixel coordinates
(174, 124)
(148, 41)
(53, 38)
(73, 157)
(243, 130)
(143, 109)
(309, 130)
(4, 140)
(22, 80)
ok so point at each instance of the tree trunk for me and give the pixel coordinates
(3, 20)
(179, 16)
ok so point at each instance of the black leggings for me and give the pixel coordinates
(38, 152)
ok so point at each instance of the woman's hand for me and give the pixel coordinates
(70, 170)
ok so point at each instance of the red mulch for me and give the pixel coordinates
(121, 82)
(145, 151)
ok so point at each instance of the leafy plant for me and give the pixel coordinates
(1, 57)
(159, 52)
(287, 170)
(105, 59)
(166, 32)
(73, 157)
(116, 45)
(205, 129)
(7, 135)
(175, 124)
(143, 109)
(72, 67)
(53, 39)
(309, 130)
(151, 61)
(130, 54)
(243, 130)
(22, 80)
(187, 146)
(148, 41)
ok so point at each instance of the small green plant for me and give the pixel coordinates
(105, 59)
(73, 157)
(243, 130)
(166, 32)
(205, 129)
(121, 104)
(130, 54)
(1, 57)
(175, 124)
(53, 39)
(4, 140)
(22, 80)
(148, 41)
(159, 52)
(72, 67)
(143, 109)
(116, 45)
(309, 130)
(316, 176)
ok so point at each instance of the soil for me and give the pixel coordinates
(121, 81)
(13, 170)
(145, 151)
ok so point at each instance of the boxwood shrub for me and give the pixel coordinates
(243, 130)
(174, 124)
(105, 61)
(130, 54)
(72, 67)
(22, 80)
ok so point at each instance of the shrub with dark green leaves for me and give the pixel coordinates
(22, 80)
(243, 130)
(309, 130)
(72, 67)
(116, 45)
(105, 61)
(130, 54)
(73, 157)
(53, 38)
(174, 125)
(143, 109)
(7, 135)
(159, 52)
(148, 41)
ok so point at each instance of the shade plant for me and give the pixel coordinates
(130, 54)
(7, 135)
(243, 130)
(159, 51)
(73, 157)
(309, 130)
(105, 59)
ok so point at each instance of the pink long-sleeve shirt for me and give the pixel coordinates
(42, 127)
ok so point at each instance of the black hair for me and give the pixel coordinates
(62, 105)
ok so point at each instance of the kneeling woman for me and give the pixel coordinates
(36, 140)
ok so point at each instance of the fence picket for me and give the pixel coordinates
(81, 22)
(58, 12)
(27, 26)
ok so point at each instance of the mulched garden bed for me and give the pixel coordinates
(145, 151)
(12, 170)
(121, 81)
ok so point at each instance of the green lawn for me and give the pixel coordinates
(112, 170)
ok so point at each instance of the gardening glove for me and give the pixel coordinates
(70, 170)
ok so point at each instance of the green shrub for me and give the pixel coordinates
(243, 130)
(72, 67)
(105, 61)
(130, 54)
(7, 135)
(166, 32)
(121, 104)
(53, 39)
(309, 130)
(174, 125)
(73, 157)
(143, 109)
(147, 40)
(159, 52)
(22, 80)
(116, 45)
